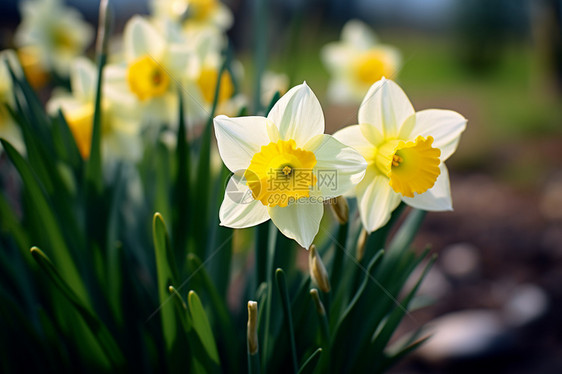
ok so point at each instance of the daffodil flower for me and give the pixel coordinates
(119, 129)
(154, 67)
(57, 33)
(356, 62)
(284, 166)
(208, 45)
(406, 152)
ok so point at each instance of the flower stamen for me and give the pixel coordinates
(412, 167)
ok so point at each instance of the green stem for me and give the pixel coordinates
(286, 303)
(338, 253)
(269, 274)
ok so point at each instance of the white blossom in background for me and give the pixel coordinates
(271, 83)
(157, 64)
(52, 33)
(356, 62)
(120, 130)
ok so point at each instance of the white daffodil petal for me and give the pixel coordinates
(239, 139)
(141, 39)
(238, 209)
(445, 126)
(338, 166)
(438, 198)
(83, 78)
(376, 200)
(384, 109)
(298, 221)
(298, 115)
(353, 137)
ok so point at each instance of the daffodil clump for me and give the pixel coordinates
(158, 127)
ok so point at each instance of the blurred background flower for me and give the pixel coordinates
(120, 129)
(53, 34)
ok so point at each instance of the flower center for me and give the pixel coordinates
(413, 167)
(207, 82)
(280, 172)
(62, 39)
(369, 67)
(147, 78)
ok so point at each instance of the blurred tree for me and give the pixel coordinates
(484, 27)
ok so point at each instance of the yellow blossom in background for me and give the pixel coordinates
(57, 34)
(406, 152)
(156, 66)
(9, 130)
(201, 84)
(120, 138)
(356, 62)
(284, 166)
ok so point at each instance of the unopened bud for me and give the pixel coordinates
(317, 302)
(252, 327)
(317, 270)
(361, 244)
(340, 208)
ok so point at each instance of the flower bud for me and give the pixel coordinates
(361, 244)
(340, 209)
(317, 270)
(317, 302)
(252, 327)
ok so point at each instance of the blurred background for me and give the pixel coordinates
(496, 290)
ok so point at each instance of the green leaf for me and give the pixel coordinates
(46, 215)
(100, 331)
(286, 303)
(203, 179)
(181, 227)
(94, 173)
(380, 340)
(310, 364)
(181, 308)
(405, 235)
(344, 337)
(201, 326)
(166, 272)
(392, 360)
(11, 225)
